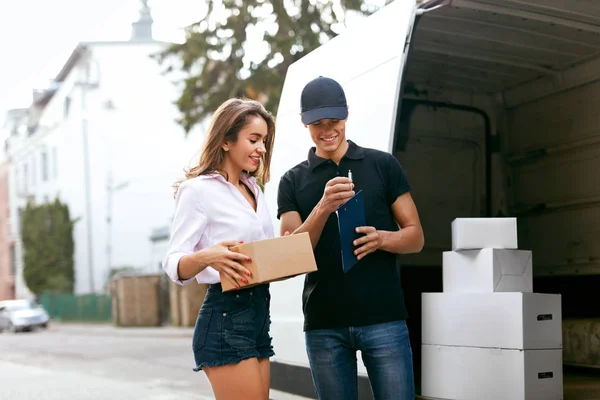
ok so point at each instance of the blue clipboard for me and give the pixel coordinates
(350, 215)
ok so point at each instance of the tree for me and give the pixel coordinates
(217, 55)
(47, 235)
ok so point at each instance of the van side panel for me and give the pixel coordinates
(554, 156)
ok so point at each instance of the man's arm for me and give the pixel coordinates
(337, 191)
(291, 223)
(409, 239)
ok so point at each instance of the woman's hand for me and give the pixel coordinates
(227, 262)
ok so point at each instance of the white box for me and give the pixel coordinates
(487, 270)
(474, 373)
(481, 233)
(522, 321)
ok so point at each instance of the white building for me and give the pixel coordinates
(104, 140)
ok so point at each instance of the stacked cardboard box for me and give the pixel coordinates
(488, 335)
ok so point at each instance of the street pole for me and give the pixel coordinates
(110, 191)
(87, 179)
(109, 194)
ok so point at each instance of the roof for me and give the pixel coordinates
(495, 45)
(76, 55)
(71, 62)
(74, 58)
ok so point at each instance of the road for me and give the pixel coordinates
(70, 361)
(91, 362)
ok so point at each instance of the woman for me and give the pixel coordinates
(219, 205)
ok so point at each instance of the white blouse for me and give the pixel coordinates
(209, 210)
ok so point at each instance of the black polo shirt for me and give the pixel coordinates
(371, 292)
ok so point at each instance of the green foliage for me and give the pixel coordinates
(47, 235)
(216, 56)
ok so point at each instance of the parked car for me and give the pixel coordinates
(22, 315)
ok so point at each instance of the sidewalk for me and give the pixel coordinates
(25, 382)
(108, 329)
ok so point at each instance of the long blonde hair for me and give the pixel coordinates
(226, 123)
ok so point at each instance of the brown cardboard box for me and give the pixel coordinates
(275, 259)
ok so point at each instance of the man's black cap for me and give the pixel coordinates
(323, 98)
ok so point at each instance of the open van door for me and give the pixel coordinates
(368, 61)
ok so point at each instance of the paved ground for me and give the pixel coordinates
(101, 362)
(85, 362)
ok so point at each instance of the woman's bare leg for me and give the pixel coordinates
(265, 371)
(239, 381)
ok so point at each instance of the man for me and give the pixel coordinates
(362, 309)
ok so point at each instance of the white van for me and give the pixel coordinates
(491, 108)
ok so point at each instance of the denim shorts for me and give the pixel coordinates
(232, 326)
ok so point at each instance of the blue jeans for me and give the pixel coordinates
(385, 350)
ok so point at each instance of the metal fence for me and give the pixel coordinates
(84, 308)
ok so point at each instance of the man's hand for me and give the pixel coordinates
(368, 243)
(337, 192)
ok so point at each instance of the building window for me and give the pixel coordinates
(25, 177)
(44, 166)
(67, 106)
(13, 261)
(55, 162)
(33, 171)
(19, 213)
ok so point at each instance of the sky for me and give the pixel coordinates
(37, 36)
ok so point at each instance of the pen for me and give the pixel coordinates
(350, 175)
